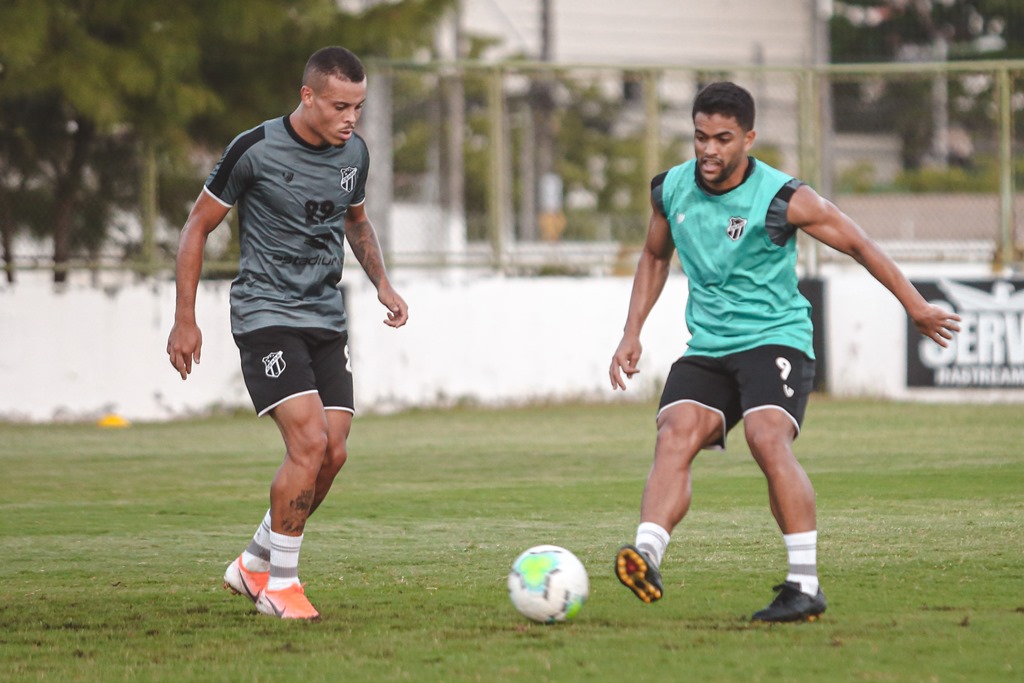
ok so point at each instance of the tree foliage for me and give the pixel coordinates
(924, 31)
(905, 30)
(89, 91)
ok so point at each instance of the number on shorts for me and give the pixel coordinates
(784, 366)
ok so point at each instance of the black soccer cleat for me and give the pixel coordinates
(792, 604)
(636, 573)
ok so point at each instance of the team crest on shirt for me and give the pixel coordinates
(348, 178)
(735, 229)
(273, 364)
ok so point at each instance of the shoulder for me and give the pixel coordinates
(782, 186)
(675, 175)
(239, 162)
(658, 180)
(769, 173)
(247, 144)
(357, 141)
(660, 184)
(683, 168)
(248, 139)
(357, 146)
(807, 207)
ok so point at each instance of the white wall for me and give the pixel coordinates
(83, 352)
(80, 353)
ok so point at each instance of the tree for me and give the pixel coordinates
(253, 60)
(90, 92)
(80, 81)
(923, 109)
(907, 30)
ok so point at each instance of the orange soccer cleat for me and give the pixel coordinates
(287, 603)
(241, 581)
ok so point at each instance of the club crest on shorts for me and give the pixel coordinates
(735, 229)
(348, 178)
(273, 364)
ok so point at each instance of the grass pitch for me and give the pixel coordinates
(114, 543)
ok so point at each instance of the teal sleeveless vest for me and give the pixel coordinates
(742, 285)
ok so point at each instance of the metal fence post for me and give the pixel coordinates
(378, 128)
(809, 144)
(652, 125)
(1006, 254)
(496, 190)
(148, 208)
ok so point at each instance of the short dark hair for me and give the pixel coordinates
(728, 99)
(339, 62)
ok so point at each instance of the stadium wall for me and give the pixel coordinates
(84, 351)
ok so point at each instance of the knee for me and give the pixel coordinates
(678, 442)
(772, 449)
(670, 437)
(308, 447)
(772, 438)
(337, 454)
(761, 440)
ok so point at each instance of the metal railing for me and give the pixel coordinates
(534, 169)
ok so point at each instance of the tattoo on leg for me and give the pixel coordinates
(298, 512)
(302, 501)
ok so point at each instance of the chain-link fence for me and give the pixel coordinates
(530, 168)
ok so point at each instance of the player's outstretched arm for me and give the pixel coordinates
(822, 220)
(185, 341)
(648, 282)
(363, 239)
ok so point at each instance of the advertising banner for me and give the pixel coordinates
(989, 350)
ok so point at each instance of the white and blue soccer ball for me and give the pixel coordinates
(548, 584)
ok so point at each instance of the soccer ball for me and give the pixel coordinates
(548, 584)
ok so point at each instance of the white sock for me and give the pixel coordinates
(803, 560)
(653, 540)
(256, 557)
(284, 561)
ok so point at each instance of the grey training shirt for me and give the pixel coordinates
(292, 198)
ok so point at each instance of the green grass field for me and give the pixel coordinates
(113, 543)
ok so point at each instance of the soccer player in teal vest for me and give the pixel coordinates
(733, 221)
(299, 183)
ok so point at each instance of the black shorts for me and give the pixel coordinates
(770, 376)
(279, 363)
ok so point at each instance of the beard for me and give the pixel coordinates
(725, 170)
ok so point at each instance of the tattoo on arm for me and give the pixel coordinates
(363, 240)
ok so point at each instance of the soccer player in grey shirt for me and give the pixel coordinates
(298, 182)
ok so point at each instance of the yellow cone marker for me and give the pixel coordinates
(113, 420)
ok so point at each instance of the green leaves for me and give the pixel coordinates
(165, 76)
